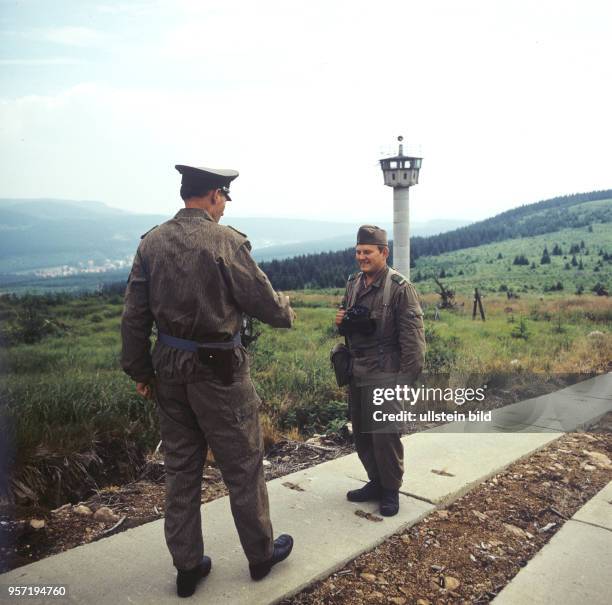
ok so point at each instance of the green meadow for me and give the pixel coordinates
(71, 420)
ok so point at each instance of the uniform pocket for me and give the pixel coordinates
(244, 413)
(240, 362)
(245, 401)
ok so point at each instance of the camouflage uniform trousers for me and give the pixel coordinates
(381, 451)
(194, 417)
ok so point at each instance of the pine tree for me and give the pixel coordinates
(520, 259)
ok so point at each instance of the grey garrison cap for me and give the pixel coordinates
(372, 235)
(209, 177)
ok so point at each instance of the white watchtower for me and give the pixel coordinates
(401, 172)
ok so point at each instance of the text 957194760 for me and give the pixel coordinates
(31, 591)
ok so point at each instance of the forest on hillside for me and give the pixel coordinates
(330, 269)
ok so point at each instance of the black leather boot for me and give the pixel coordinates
(282, 549)
(370, 491)
(187, 580)
(389, 503)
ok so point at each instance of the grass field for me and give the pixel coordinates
(71, 419)
(490, 267)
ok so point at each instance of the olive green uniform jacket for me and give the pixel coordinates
(403, 338)
(194, 279)
(400, 362)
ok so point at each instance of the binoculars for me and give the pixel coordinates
(357, 320)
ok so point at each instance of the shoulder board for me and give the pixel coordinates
(399, 278)
(352, 276)
(149, 231)
(236, 230)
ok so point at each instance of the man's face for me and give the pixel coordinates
(219, 206)
(370, 259)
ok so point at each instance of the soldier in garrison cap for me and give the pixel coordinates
(194, 278)
(390, 351)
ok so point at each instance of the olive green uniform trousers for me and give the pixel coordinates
(381, 453)
(194, 417)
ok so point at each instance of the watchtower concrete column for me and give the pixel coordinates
(401, 172)
(401, 230)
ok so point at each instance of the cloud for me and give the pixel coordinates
(116, 144)
(73, 36)
(43, 62)
(132, 9)
(301, 100)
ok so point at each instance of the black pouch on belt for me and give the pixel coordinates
(221, 362)
(340, 358)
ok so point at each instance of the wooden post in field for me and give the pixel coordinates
(478, 301)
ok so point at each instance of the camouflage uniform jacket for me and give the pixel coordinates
(403, 339)
(194, 279)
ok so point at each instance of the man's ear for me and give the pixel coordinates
(214, 198)
(385, 252)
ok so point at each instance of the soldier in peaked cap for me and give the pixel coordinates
(388, 350)
(194, 279)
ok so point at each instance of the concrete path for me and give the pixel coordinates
(574, 567)
(134, 566)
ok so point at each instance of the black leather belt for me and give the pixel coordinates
(363, 351)
(193, 346)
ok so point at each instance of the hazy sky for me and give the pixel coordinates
(509, 102)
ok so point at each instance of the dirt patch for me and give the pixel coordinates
(468, 552)
(136, 503)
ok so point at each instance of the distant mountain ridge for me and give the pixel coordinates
(58, 209)
(43, 233)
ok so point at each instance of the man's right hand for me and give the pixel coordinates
(288, 303)
(340, 315)
(146, 390)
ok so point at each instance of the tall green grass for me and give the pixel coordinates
(70, 419)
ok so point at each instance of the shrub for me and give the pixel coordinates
(520, 330)
(600, 289)
(441, 354)
(30, 323)
(322, 417)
